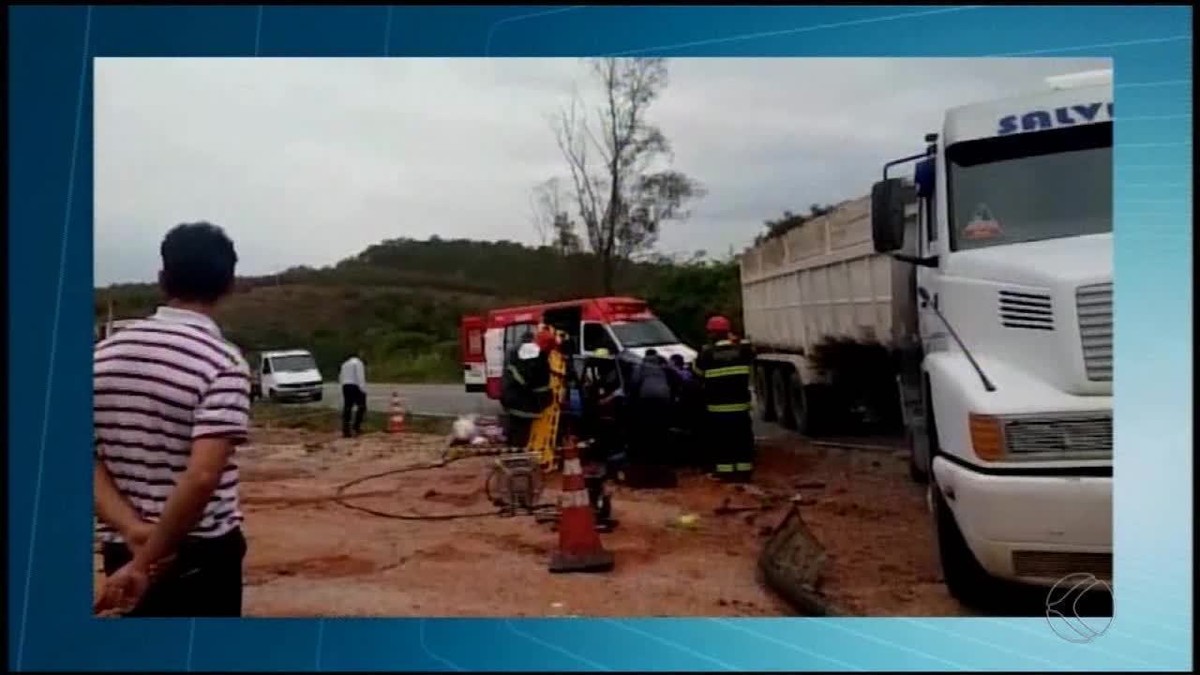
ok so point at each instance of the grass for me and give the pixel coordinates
(329, 420)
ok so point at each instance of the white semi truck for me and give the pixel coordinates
(989, 273)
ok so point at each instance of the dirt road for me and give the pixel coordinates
(310, 556)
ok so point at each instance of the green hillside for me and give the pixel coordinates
(400, 301)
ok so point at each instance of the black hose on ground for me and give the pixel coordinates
(340, 499)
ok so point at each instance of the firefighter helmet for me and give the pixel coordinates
(717, 324)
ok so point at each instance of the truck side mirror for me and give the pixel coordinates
(889, 197)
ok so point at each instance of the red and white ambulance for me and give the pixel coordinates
(616, 324)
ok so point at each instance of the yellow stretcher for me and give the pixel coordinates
(543, 436)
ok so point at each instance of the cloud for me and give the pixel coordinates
(307, 161)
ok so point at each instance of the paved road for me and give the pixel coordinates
(452, 400)
(441, 400)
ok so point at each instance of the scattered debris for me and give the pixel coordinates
(688, 521)
(791, 563)
(310, 557)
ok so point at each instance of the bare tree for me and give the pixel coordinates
(621, 182)
(552, 218)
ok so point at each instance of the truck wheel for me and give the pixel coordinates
(816, 410)
(762, 393)
(781, 395)
(920, 474)
(803, 420)
(916, 473)
(318, 396)
(964, 577)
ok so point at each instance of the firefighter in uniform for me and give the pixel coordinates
(525, 389)
(723, 367)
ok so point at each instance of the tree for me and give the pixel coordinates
(790, 221)
(552, 219)
(621, 183)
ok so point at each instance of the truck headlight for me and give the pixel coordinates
(1064, 436)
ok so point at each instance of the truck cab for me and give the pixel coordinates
(286, 376)
(1008, 384)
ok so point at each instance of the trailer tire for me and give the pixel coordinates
(802, 418)
(762, 393)
(819, 408)
(781, 395)
(964, 577)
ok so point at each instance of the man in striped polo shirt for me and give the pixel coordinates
(172, 401)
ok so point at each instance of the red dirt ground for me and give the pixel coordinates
(310, 556)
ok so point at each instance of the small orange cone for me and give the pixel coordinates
(579, 547)
(396, 415)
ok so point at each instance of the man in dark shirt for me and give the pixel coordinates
(651, 395)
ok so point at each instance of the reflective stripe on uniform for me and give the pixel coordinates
(729, 408)
(724, 468)
(745, 466)
(539, 390)
(727, 371)
(516, 375)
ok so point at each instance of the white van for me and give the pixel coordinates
(290, 375)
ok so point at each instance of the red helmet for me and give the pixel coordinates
(717, 324)
(545, 340)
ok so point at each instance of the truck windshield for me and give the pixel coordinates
(1031, 186)
(293, 363)
(646, 333)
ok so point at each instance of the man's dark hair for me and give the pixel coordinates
(198, 262)
(677, 360)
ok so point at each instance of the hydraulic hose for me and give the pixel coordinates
(341, 499)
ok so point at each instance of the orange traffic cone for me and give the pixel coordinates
(396, 415)
(579, 547)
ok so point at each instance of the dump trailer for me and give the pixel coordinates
(819, 284)
(995, 291)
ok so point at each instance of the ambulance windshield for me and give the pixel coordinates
(648, 333)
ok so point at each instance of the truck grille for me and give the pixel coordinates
(1058, 564)
(1032, 311)
(1089, 437)
(1094, 305)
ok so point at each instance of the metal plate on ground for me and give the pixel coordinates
(791, 562)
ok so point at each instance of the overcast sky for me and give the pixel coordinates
(308, 161)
